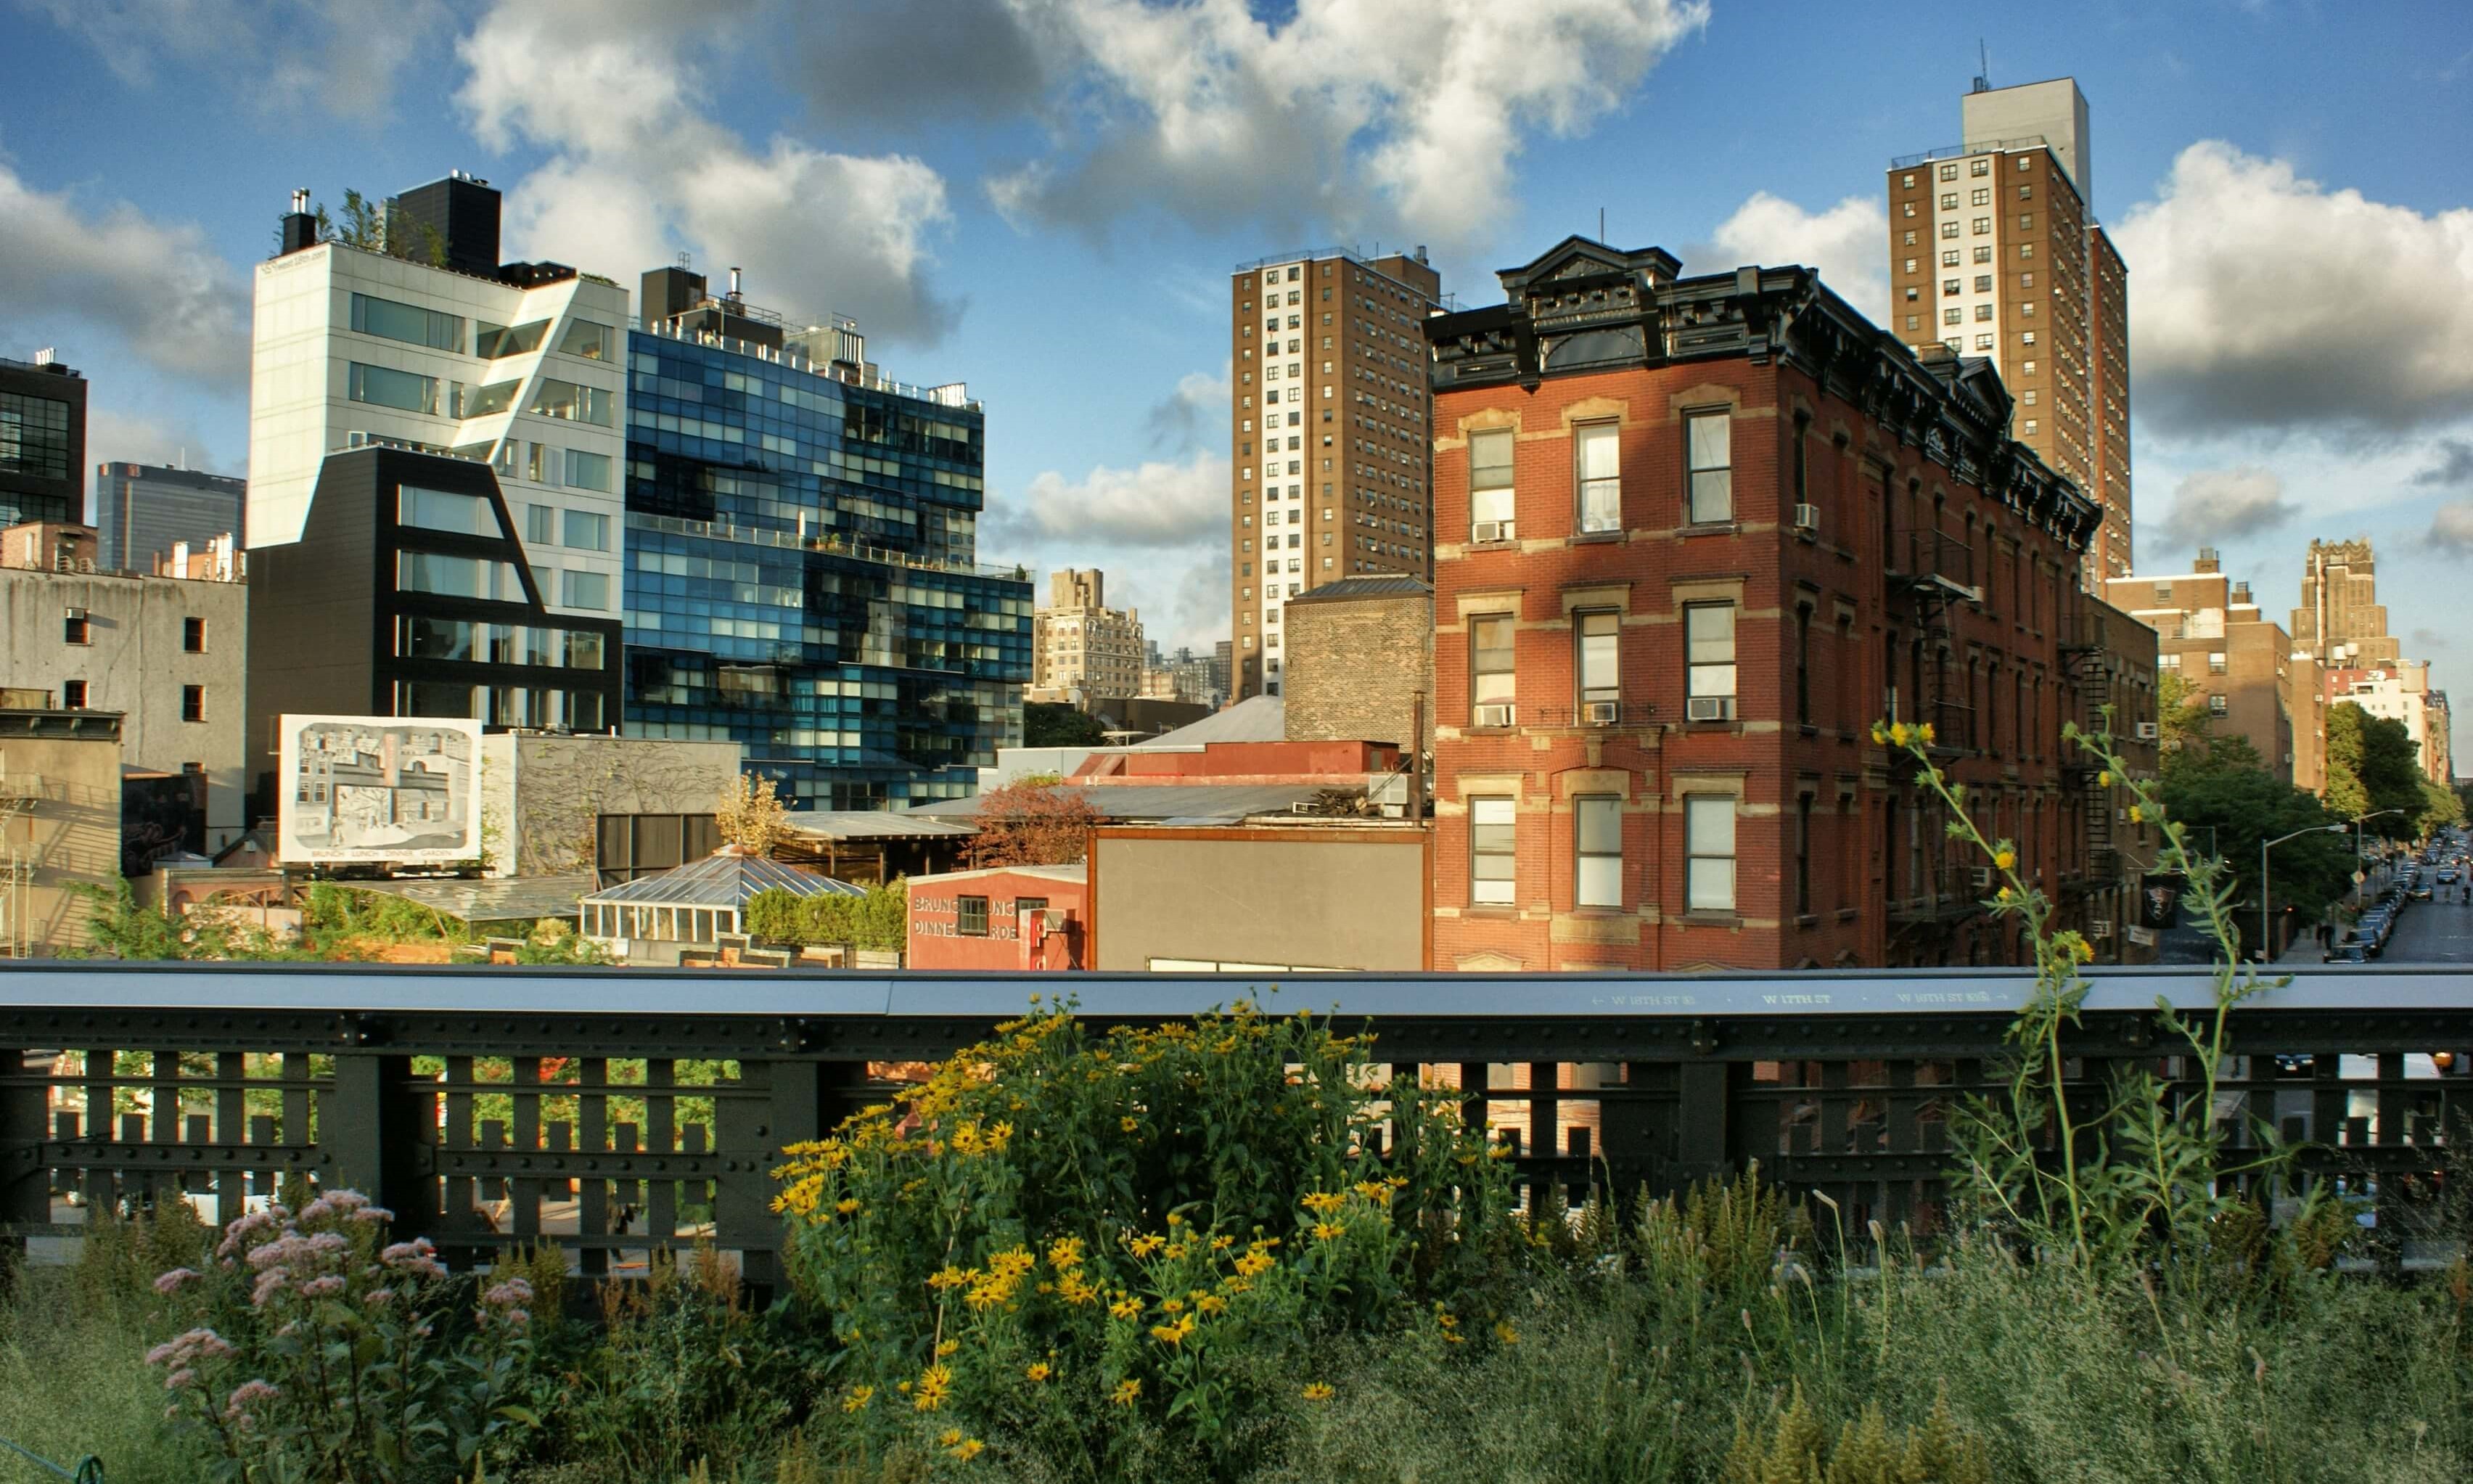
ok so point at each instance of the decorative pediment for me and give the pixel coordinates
(1489, 962)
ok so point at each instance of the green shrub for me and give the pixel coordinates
(1139, 1240)
(878, 921)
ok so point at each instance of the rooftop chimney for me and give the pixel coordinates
(300, 226)
(733, 284)
(2208, 561)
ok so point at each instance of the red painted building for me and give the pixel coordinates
(1002, 918)
(1693, 536)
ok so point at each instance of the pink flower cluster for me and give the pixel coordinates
(417, 1259)
(183, 1351)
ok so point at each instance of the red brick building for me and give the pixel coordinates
(1000, 918)
(1693, 536)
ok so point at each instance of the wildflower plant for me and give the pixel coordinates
(2149, 1180)
(1064, 1233)
(317, 1350)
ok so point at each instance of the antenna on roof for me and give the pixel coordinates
(1983, 67)
(1602, 224)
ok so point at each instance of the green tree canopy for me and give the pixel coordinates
(1049, 724)
(2371, 766)
(2230, 805)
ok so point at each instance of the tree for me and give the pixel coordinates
(1048, 724)
(368, 226)
(2230, 805)
(2371, 766)
(2440, 807)
(751, 815)
(1037, 821)
(2181, 717)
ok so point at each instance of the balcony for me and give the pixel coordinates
(1948, 891)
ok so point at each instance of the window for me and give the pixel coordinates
(1597, 833)
(410, 324)
(1910, 239)
(1949, 200)
(2030, 427)
(382, 387)
(1907, 180)
(35, 436)
(1983, 197)
(1493, 837)
(73, 695)
(586, 531)
(1803, 665)
(1979, 167)
(1600, 482)
(193, 635)
(587, 470)
(586, 589)
(1983, 255)
(1949, 228)
(1911, 265)
(971, 914)
(495, 398)
(1491, 681)
(1709, 849)
(2026, 370)
(1490, 496)
(1983, 284)
(2026, 339)
(77, 630)
(2026, 192)
(2216, 663)
(1949, 172)
(1914, 322)
(2026, 281)
(569, 402)
(1952, 315)
(2217, 705)
(1709, 649)
(540, 525)
(492, 341)
(1983, 224)
(1803, 855)
(2025, 221)
(1601, 658)
(586, 339)
(443, 509)
(1710, 444)
(1982, 312)
(458, 577)
(193, 703)
(1948, 287)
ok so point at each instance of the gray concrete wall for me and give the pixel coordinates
(1275, 896)
(134, 664)
(540, 795)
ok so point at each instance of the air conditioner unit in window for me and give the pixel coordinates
(1603, 713)
(2149, 731)
(1485, 531)
(1807, 518)
(1709, 709)
(2099, 929)
(73, 613)
(85, 564)
(1982, 878)
(1494, 715)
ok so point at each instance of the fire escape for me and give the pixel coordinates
(1930, 573)
(2088, 882)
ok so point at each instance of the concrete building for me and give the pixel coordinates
(167, 655)
(2237, 663)
(1697, 535)
(1361, 661)
(1081, 649)
(1329, 477)
(1184, 676)
(1995, 250)
(42, 441)
(1290, 896)
(142, 511)
(2340, 622)
(60, 824)
(594, 805)
(2112, 661)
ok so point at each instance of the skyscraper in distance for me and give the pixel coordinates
(1330, 437)
(1995, 252)
(142, 511)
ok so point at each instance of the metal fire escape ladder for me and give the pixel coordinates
(2091, 673)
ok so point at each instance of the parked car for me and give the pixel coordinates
(2449, 877)
(2354, 952)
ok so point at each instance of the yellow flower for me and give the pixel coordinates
(858, 1399)
(2137, 815)
(1318, 1390)
(1324, 1202)
(1175, 1252)
(1505, 1333)
(1175, 1333)
(2004, 894)
(1899, 735)
(1065, 1252)
(1127, 1392)
(1175, 1219)
(2006, 859)
(1144, 1246)
(1038, 1371)
(1172, 1306)
(1128, 1124)
(929, 1393)
(2085, 951)
(847, 1206)
(949, 1348)
(1222, 1242)
(967, 1449)
(1324, 1231)
(1925, 733)
(1375, 1190)
(952, 1278)
(1211, 1303)
(1126, 1308)
(1254, 1264)
(1879, 733)
(2103, 779)
(948, 1437)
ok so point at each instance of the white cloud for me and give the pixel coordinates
(66, 271)
(1208, 113)
(340, 55)
(1193, 416)
(1848, 243)
(2451, 529)
(1154, 505)
(2220, 505)
(638, 167)
(2454, 465)
(2263, 300)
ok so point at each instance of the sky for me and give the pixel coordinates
(1044, 198)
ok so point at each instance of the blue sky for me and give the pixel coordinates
(1043, 198)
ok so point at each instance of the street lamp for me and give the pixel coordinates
(2262, 846)
(2358, 872)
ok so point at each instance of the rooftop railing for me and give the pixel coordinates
(952, 393)
(832, 545)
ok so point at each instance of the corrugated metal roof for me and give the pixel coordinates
(1394, 585)
(507, 899)
(723, 880)
(1255, 719)
(840, 824)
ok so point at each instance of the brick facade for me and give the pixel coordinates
(1936, 581)
(1360, 658)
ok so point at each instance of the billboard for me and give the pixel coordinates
(378, 788)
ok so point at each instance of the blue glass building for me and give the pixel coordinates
(802, 572)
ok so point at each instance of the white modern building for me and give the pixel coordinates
(354, 347)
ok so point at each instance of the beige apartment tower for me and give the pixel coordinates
(1330, 437)
(1994, 252)
(2340, 621)
(2239, 664)
(1081, 649)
